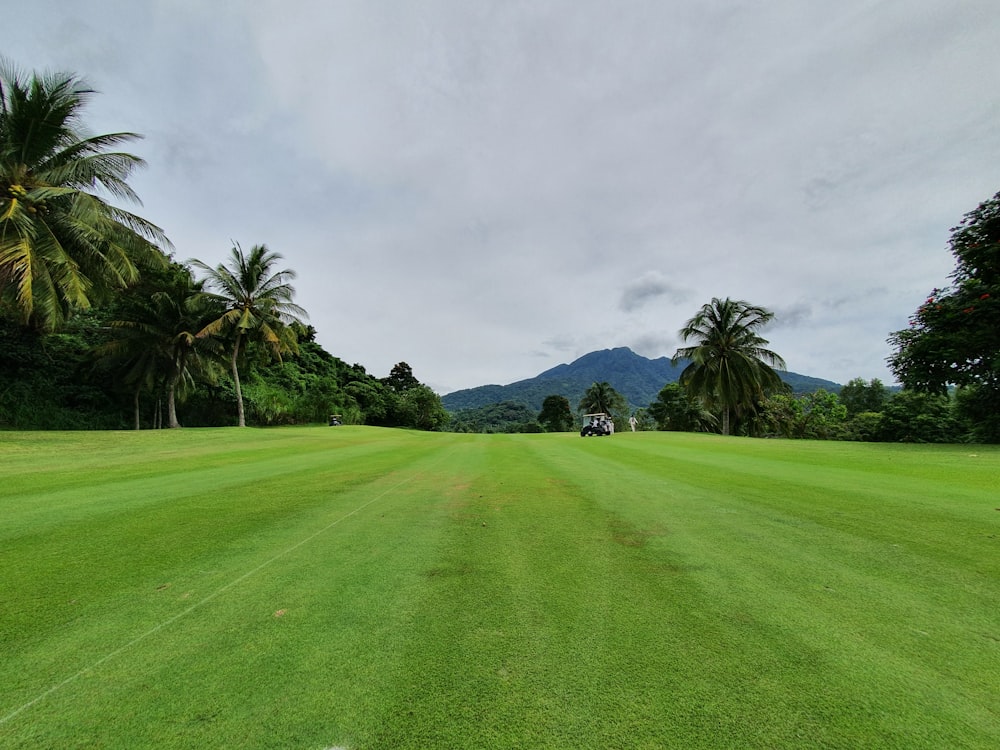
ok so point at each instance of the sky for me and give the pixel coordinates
(487, 189)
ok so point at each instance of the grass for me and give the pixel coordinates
(363, 588)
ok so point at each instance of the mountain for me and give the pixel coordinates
(637, 378)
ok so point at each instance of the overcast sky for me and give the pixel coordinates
(488, 189)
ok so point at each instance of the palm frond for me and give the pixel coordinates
(75, 246)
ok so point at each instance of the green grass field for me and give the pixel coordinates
(362, 588)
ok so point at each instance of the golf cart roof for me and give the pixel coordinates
(596, 414)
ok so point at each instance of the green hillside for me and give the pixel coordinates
(637, 378)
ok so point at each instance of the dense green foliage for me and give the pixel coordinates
(400, 378)
(156, 346)
(954, 336)
(916, 417)
(866, 412)
(66, 380)
(820, 415)
(857, 396)
(513, 417)
(556, 414)
(101, 327)
(48, 382)
(676, 410)
(505, 416)
(360, 588)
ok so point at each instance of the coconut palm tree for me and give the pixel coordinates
(258, 307)
(729, 367)
(158, 347)
(62, 245)
(600, 397)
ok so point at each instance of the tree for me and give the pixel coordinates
(48, 380)
(783, 414)
(816, 415)
(827, 416)
(62, 246)
(729, 367)
(857, 396)
(865, 426)
(977, 408)
(954, 337)
(258, 307)
(401, 378)
(919, 417)
(556, 414)
(601, 397)
(158, 344)
(372, 398)
(676, 411)
(420, 407)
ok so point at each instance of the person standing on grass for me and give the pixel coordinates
(632, 422)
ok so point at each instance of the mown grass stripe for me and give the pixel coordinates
(374, 484)
(647, 590)
(183, 613)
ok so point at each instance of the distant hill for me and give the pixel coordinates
(637, 378)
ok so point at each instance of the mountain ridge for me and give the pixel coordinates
(638, 378)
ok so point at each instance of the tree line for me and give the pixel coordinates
(95, 311)
(948, 361)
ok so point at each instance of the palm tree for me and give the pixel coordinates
(598, 398)
(158, 348)
(601, 397)
(729, 367)
(62, 246)
(258, 302)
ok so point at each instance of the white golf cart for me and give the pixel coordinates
(597, 424)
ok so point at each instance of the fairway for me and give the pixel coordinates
(364, 588)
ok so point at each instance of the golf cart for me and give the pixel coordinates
(598, 424)
(336, 420)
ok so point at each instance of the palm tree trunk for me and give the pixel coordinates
(236, 382)
(725, 420)
(172, 407)
(136, 405)
(172, 391)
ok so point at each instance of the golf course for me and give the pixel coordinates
(358, 588)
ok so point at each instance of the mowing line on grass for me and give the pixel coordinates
(152, 631)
